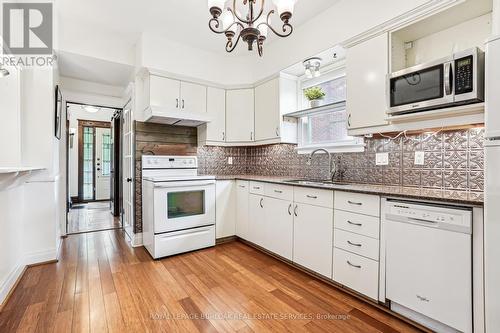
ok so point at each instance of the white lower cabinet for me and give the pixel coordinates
(242, 209)
(225, 208)
(356, 272)
(257, 221)
(313, 238)
(279, 227)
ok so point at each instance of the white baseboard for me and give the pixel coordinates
(134, 239)
(10, 282)
(40, 257)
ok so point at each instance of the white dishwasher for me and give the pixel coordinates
(429, 264)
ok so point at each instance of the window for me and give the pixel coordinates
(327, 127)
(88, 163)
(106, 154)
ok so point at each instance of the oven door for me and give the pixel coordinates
(422, 87)
(183, 205)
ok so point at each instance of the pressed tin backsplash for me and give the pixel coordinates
(453, 160)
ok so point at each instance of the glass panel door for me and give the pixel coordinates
(88, 163)
(184, 204)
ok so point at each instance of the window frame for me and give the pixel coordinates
(345, 146)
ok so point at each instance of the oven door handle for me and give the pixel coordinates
(448, 78)
(185, 184)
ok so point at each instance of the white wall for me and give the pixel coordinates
(75, 113)
(79, 91)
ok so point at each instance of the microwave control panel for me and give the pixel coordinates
(464, 75)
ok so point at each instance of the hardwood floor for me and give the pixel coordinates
(101, 284)
(92, 216)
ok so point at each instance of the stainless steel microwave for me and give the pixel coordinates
(450, 81)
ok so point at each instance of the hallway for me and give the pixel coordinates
(93, 216)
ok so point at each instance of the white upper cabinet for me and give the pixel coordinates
(367, 70)
(193, 97)
(273, 99)
(215, 130)
(164, 92)
(240, 116)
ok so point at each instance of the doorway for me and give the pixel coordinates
(92, 147)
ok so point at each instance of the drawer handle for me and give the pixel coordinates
(290, 210)
(295, 210)
(242, 186)
(261, 204)
(352, 265)
(356, 224)
(256, 188)
(312, 196)
(355, 203)
(278, 191)
(353, 244)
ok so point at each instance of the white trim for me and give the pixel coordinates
(134, 239)
(412, 16)
(40, 257)
(342, 147)
(10, 282)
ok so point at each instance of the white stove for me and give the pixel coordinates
(178, 206)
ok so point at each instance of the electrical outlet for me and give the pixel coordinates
(382, 159)
(229, 160)
(419, 158)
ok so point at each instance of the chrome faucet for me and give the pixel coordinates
(331, 162)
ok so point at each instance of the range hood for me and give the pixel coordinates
(159, 115)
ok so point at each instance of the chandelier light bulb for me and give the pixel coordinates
(216, 7)
(262, 27)
(227, 20)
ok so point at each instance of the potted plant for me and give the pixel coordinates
(314, 95)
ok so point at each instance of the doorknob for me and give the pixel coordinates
(129, 180)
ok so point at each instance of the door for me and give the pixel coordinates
(193, 98)
(279, 227)
(367, 68)
(103, 146)
(242, 209)
(216, 109)
(313, 238)
(128, 170)
(164, 93)
(267, 111)
(240, 115)
(225, 209)
(257, 223)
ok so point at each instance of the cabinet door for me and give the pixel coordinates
(242, 209)
(193, 97)
(240, 115)
(225, 209)
(164, 93)
(257, 223)
(267, 111)
(367, 69)
(216, 109)
(279, 227)
(313, 238)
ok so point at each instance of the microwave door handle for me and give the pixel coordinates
(448, 78)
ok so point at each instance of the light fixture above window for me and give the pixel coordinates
(313, 66)
(253, 27)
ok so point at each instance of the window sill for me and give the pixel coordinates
(334, 148)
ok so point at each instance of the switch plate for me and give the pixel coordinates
(230, 160)
(419, 158)
(382, 159)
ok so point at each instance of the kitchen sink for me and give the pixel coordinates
(311, 182)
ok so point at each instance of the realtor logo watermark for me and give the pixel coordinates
(27, 32)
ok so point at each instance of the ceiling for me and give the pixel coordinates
(184, 21)
(93, 69)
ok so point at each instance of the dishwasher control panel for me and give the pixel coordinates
(432, 215)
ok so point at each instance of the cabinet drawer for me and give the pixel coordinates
(278, 191)
(257, 188)
(242, 184)
(362, 245)
(357, 223)
(312, 196)
(356, 272)
(367, 204)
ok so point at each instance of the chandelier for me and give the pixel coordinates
(252, 28)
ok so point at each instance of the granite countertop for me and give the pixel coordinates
(444, 195)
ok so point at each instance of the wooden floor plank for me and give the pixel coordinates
(102, 284)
